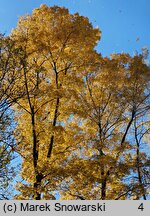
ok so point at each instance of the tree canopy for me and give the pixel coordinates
(81, 120)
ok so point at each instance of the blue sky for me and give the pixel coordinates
(124, 23)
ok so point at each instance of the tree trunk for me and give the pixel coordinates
(37, 184)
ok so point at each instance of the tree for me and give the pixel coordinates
(55, 48)
(82, 120)
(113, 98)
(7, 142)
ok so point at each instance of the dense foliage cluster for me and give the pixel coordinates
(81, 121)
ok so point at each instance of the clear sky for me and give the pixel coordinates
(124, 24)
